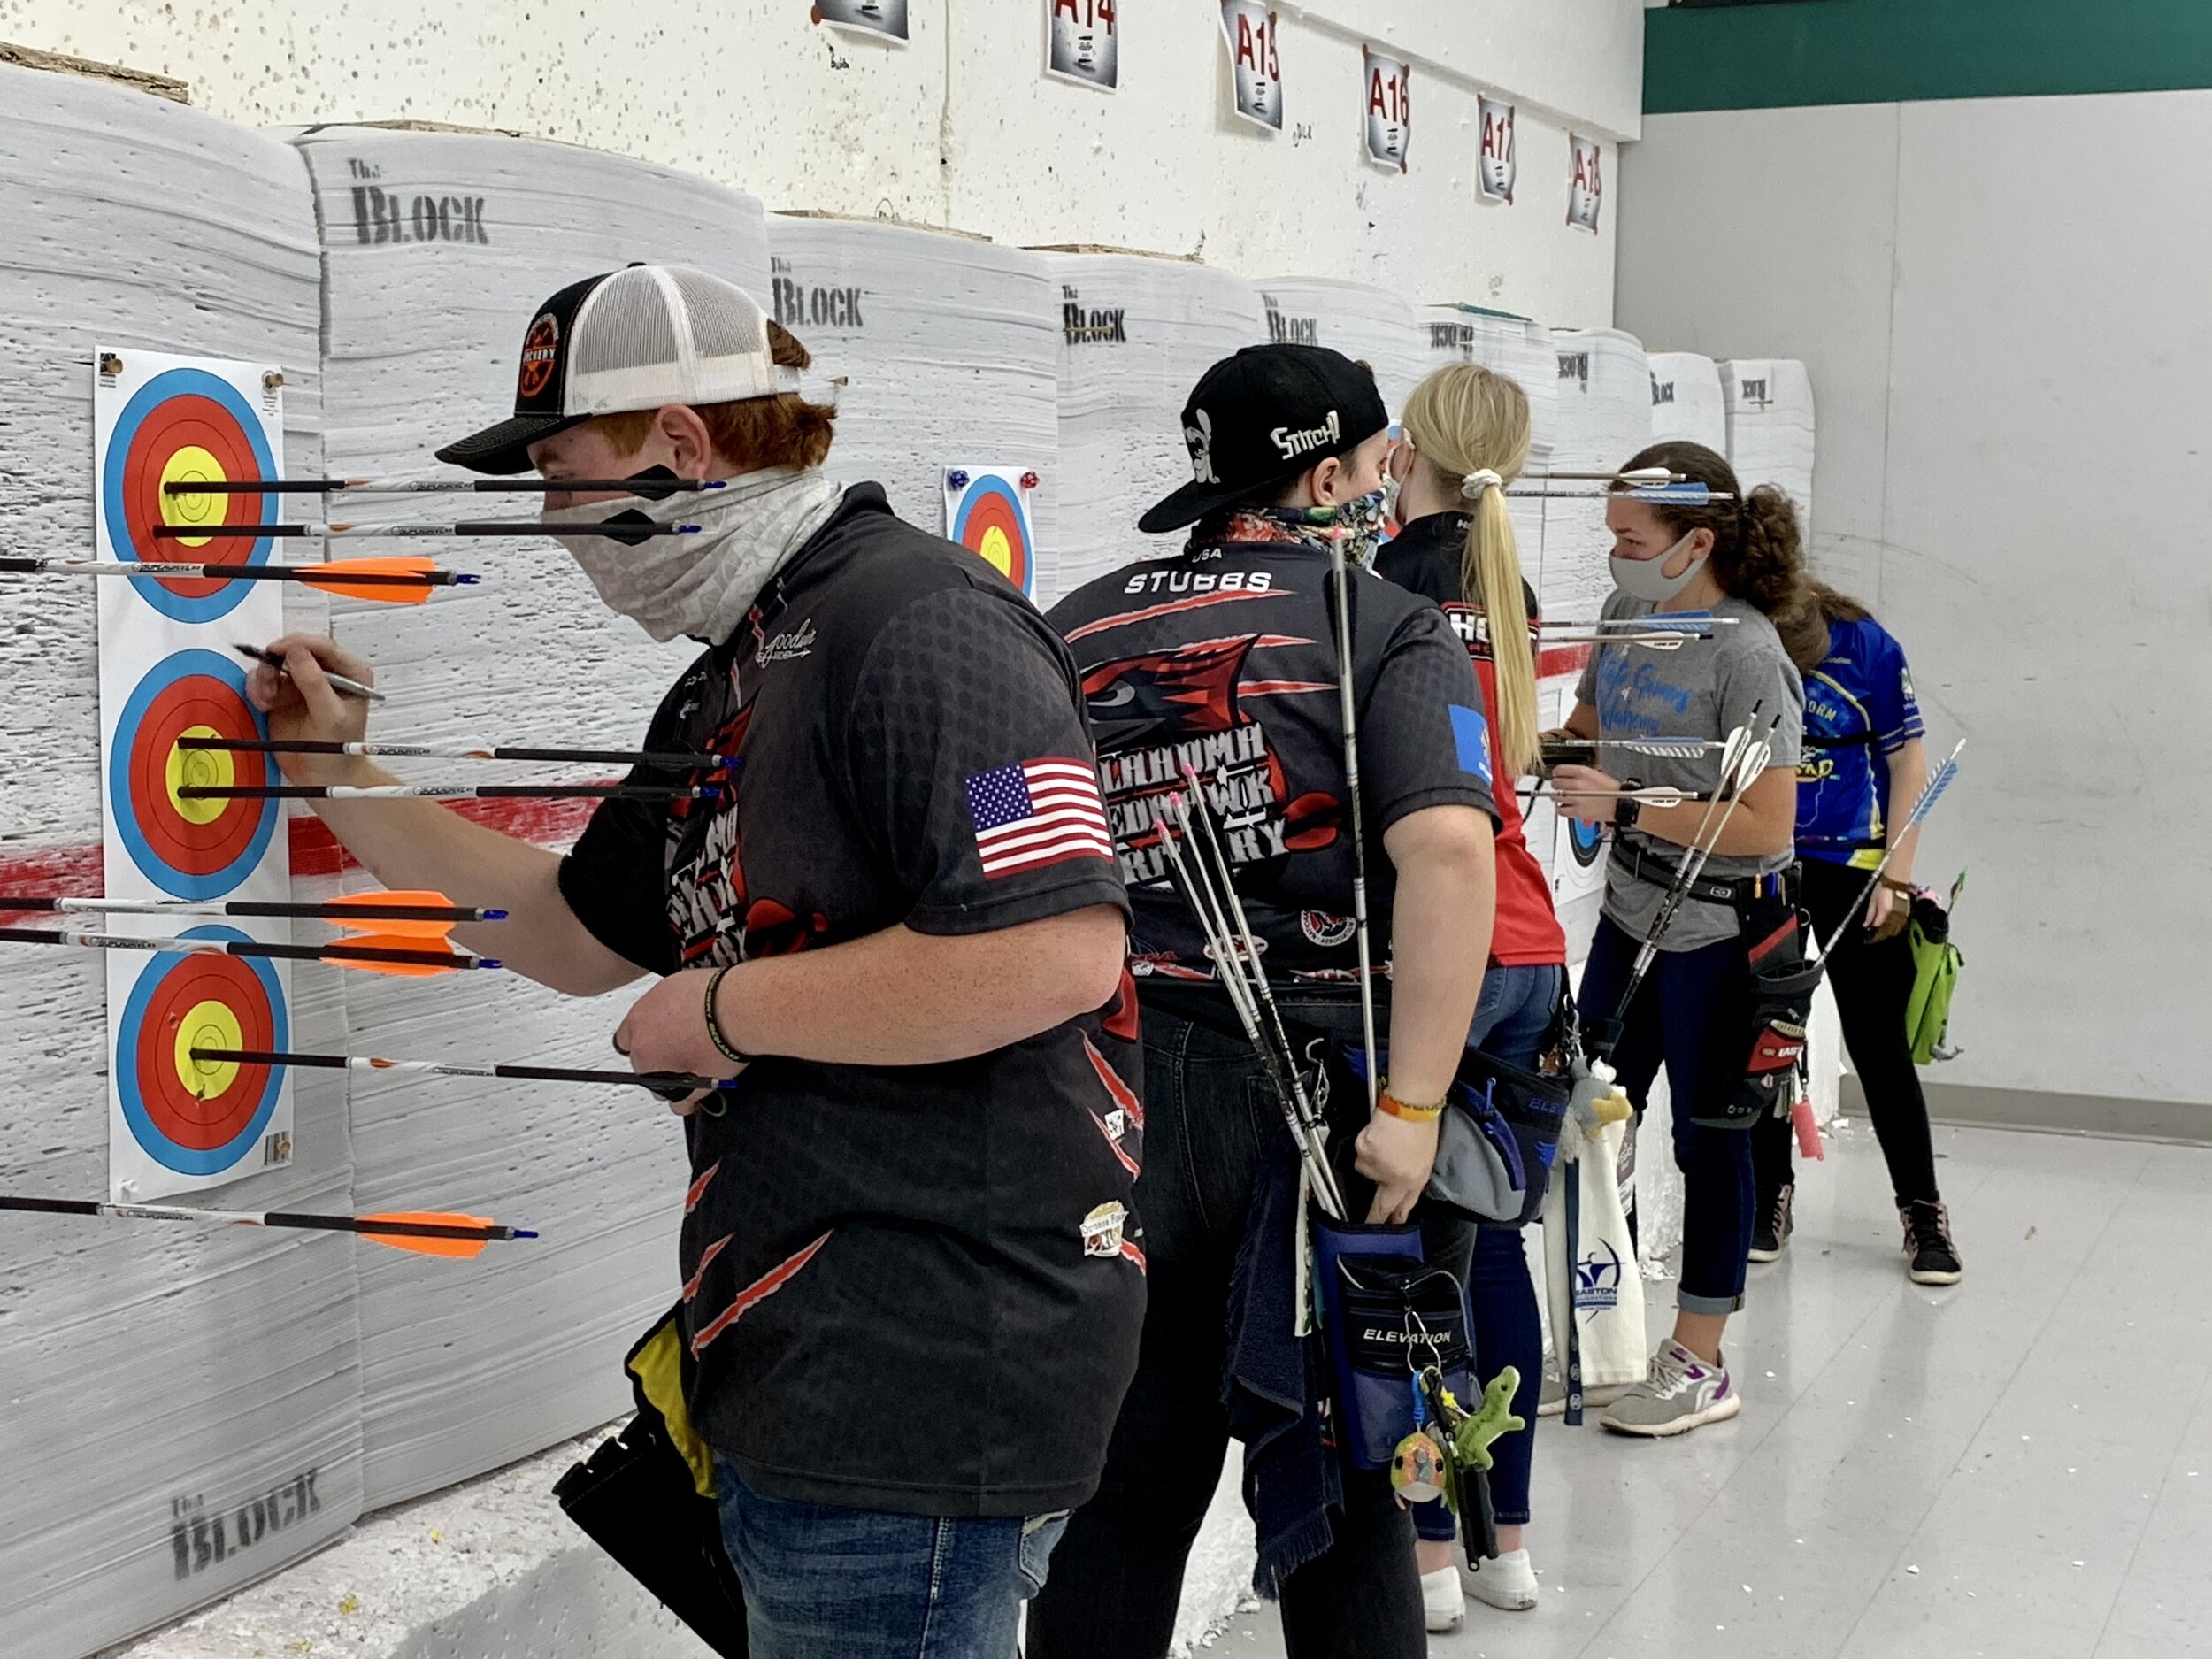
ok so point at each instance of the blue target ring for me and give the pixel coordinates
(1585, 840)
(188, 857)
(181, 407)
(191, 1132)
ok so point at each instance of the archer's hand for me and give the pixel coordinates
(1398, 1157)
(301, 704)
(1584, 793)
(665, 1030)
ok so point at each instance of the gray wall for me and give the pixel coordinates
(2002, 303)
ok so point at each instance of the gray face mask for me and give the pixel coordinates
(1640, 579)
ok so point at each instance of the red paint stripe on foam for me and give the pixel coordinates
(76, 870)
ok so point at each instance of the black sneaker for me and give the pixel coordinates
(1931, 1258)
(1774, 1225)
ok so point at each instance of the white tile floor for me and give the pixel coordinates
(2019, 1466)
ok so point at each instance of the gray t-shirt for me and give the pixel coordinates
(1703, 688)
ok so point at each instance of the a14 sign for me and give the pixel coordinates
(1086, 41)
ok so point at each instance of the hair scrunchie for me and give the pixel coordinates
(1473, 486)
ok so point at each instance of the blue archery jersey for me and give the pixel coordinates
(1859, 710)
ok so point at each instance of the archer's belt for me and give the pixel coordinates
(1737, 892)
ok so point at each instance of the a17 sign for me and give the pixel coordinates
(1085, 41)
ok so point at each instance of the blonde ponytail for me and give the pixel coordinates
(1471, 428)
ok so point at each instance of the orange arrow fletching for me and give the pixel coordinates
(383, 592)
(463, 1248)
(386, 938)
(390, 926)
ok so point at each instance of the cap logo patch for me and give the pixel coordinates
(1200, 440)
(1293, 444)
(541, 350)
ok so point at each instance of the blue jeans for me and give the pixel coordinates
(1692, 1013)
(828, 1583)
(1511, 1023)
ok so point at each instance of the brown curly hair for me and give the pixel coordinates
(1758, 551)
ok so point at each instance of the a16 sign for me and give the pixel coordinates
(1389, 109)
(1585, 183)
(1250, 30)
(1086, 41)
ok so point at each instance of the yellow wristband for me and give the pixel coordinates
(1396, 1108)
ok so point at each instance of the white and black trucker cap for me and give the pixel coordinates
(642, 337)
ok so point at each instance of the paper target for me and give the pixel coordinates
(189, 849)
(986, 511)
(185, 425)
(199, 1118)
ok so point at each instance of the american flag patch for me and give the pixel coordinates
(1039, 812)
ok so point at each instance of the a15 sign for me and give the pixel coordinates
(1085, 41)
(1250, 30)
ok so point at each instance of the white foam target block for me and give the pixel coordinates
(1136, 334)
(1770, 428)
(1603, 416)
(437, 250)
(1370, 324)
(1686, 404)
(1518, 347)
(948, 346)
(179, 1408)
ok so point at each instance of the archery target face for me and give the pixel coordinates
(199, 1118)
(189, 849)
(990, 518)
(185, 425)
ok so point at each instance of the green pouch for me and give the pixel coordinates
(1936, 964)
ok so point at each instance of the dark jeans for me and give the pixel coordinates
(1511, 1022)
(1872, 985)
(828, 1583)
(1117, 1574)
(1694, 1015)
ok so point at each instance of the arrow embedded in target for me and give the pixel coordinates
(424, 1232)
(625, 532)
(384, 952)
(654, 484)
(396, 582)
(677, 1083)
(447, 792)
(417, 914)
(665, 761)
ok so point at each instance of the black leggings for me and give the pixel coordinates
(1872, 984)
(1117, 1573)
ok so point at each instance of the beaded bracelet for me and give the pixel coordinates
(1396, 1108)
(735, 1056)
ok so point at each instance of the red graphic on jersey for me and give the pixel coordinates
(1187, 692)
(1121, 1018)
(1124, 1097)
(698, 1188)
(1196, 602)
(766, 1286)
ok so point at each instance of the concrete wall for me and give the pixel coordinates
(959, 127)
(1999, 301)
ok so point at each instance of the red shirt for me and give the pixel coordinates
(1425, 557)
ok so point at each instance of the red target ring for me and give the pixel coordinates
(178, 427)
(203, 1108)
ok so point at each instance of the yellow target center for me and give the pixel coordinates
(191, 465)
(998, 550)
(204, 769)
(209, 1025)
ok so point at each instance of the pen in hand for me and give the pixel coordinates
(338, 682)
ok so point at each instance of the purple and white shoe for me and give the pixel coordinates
(1680, 1393)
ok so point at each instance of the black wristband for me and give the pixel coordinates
(728, 1050)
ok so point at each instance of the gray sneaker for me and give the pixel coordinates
(1680, 1393)
(1552, 1401)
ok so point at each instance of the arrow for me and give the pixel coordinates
(664, 760)
(675, 1084)
(1668, 747)
(654, 484)
(1633, 475)
(447, 792)
(319, 528)
(1686, 622)
(385, 952)
(1648, 794)
(1659, 495)
(424, 1232)
(398, 581)
(431, 914)
(1930, 792)
(1651, 640)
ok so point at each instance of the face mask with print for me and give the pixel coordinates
(1641, 578)
(1362, 518)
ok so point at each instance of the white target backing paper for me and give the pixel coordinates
(167, 671)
